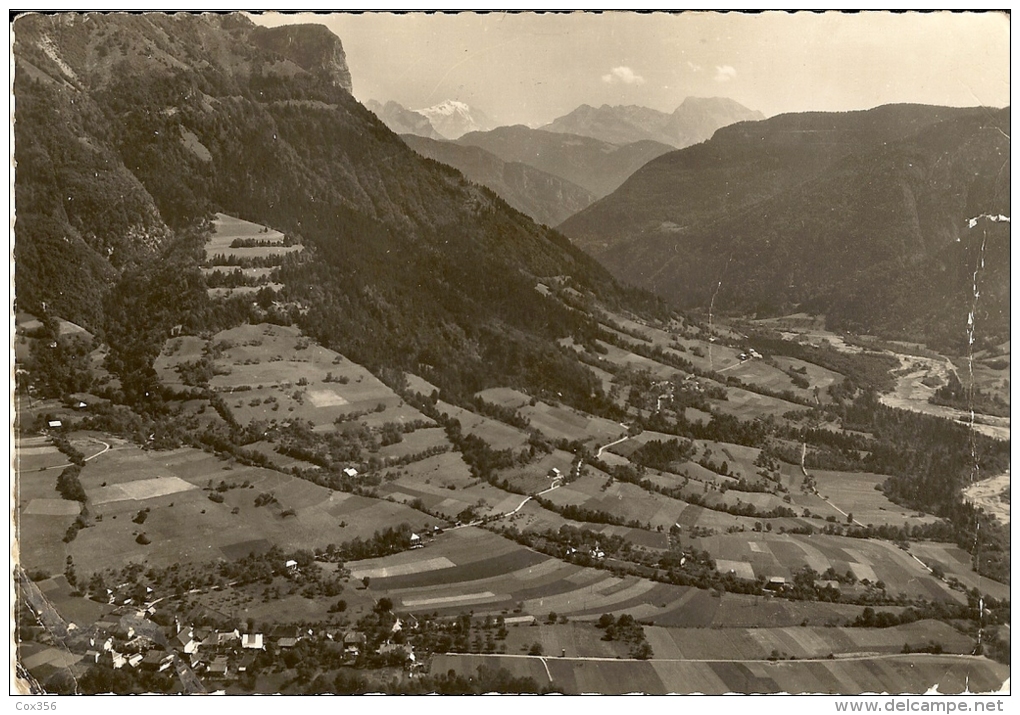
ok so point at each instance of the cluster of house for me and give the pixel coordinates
(750, 354)
(665, 396)
(216, 652)
(207, 651)
(691, 383)
(595, 553)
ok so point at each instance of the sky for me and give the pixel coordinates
(529, 68)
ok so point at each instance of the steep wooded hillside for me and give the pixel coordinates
(132, 130)
(546, 198)
(861, 215)
(595, 165)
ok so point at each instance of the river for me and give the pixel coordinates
(987, 494)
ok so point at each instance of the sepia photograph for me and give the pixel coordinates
(516, 352)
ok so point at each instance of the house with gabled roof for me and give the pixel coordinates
(252, 641)
(354, 643)
(225, 637)
(158, 660)
(219, 667)
(185, 640)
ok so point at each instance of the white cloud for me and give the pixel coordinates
(693, 67)
(724, 73)
(623, 74)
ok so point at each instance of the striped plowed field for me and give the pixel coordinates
(901, 674)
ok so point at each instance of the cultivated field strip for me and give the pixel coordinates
(173, 489)
(915, 673)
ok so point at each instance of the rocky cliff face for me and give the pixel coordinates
(94, 50)
(313, 48)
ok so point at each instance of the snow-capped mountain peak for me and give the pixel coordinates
(453, 119)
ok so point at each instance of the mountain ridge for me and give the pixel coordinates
(693, 121)
(402, 120)
(851, 196)
(453, 119)
(595, 165)
(545, 198)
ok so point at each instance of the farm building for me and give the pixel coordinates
(286, 631)
(253, 641)
(158, 660)
(82, 400)
(351, 472)
(223, 638)
(187, 641)
(397, 649)
(219, 666)
(354, 642)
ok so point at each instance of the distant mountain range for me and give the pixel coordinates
(446, 120)
(597, 166)
(590, 151)
(403, 120)
(694, 121)
(546, 198)
(862, 215)
(455, 119)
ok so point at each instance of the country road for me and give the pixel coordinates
(803, 469)
(604, 447)
(529, 498)
(555, 486)
(106, 448)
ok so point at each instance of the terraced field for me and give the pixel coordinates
(271, 372)
(916, 673)
(624, 501)
(470, 568)
(183, 524)
(856, 492)
(780, 555)
(497, 435)
(196, 507)
(957, 563)
(227, 229)
(566, 423)
(800, 642)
